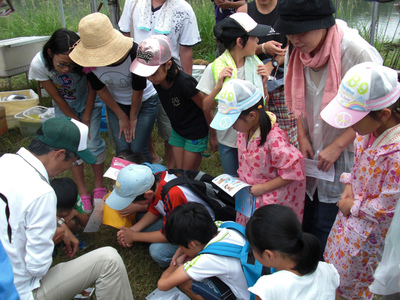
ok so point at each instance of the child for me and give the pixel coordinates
(69, 211)
(72, 97)
(69, 205)
(136, 183)
(267, 160)
(277, 240)
(323, 51)
(131, 106)
(182, 102)
(191, 227)
(239, 34)
(133, 212)
(368, 101)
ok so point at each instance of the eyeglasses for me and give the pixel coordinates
(61, 66)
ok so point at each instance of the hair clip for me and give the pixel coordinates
(260, 106)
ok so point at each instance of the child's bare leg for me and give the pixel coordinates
(191, 160)
(178, 156)
(77, 172)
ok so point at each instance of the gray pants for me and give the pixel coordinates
(103, 266)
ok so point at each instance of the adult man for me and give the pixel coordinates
(28, 220)
(271, 50)
(137, 183)
(141, 19)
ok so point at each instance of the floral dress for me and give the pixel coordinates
(277, 157)
(355, 243)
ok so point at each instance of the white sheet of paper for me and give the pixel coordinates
(312, 170)
(96, 218)
(172, 294)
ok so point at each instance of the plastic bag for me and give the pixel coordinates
(387, 275)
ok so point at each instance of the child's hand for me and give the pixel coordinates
(125, 237)
(226, 72)
(130, 209)
(346, 201)
(213, 143)
(257, 190)
(124, 128)
(263, 72)
(179, 258)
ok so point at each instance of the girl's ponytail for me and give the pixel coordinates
(276, 228)
(307, 253)
(265, 123)
(264, 120)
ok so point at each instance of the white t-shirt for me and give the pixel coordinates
(118, 80)
(206, 84)
(184, 30)
(320, 285)
(227, 269)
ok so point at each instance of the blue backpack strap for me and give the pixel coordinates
(223, 249)
(234, 225)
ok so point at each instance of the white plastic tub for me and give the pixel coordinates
(16, 54)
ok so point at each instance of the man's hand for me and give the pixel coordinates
(59, 235)
(71, 242)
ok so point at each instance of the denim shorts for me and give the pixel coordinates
(145, 123)
(199, 145)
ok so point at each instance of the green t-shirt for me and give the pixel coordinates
(79, 205)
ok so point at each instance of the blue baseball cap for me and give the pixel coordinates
(132, 181)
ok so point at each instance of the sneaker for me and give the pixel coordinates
(98, 195)
(87, 203)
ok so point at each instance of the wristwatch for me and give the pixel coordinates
(60, 221)
(275, 63)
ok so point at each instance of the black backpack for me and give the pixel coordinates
(201, 183)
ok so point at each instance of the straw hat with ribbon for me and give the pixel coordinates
(100, 44)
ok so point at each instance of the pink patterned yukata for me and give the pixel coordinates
(277, 157)
(355, 243)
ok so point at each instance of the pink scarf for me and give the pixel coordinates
(294, 82)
